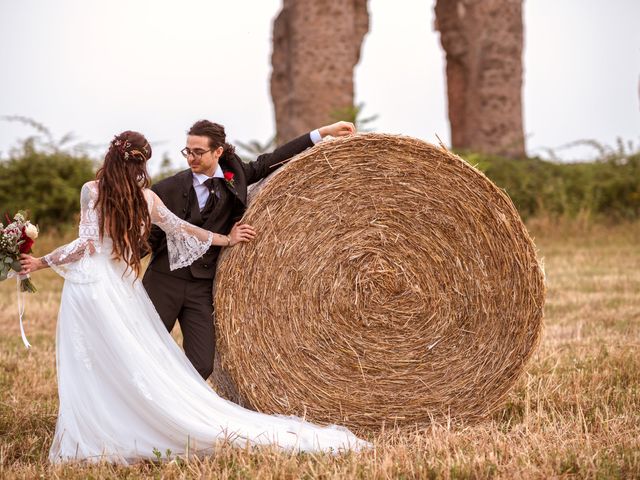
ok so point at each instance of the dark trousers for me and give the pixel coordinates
(190, 302)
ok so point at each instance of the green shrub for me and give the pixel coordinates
(609, 188)
(45, 183)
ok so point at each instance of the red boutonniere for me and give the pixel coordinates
(229, 177)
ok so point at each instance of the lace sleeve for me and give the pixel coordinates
(185, 242)
(72, 261)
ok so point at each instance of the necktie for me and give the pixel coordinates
(213, 185)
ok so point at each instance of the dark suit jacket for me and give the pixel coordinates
(176, 193)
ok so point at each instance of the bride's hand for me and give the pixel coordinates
(241, 233)
(30, 264)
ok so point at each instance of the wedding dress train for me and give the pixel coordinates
(126, 388)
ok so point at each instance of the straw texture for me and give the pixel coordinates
(391, 283)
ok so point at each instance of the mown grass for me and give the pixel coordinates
(575, 413)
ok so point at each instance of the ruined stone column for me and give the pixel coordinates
(483, 41)
(316, 45)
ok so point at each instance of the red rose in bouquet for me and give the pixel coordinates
(27, 242)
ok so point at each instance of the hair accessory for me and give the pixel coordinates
(124, 146)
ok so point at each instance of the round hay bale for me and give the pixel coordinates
(391, 283)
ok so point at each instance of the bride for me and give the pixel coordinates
(125, 387)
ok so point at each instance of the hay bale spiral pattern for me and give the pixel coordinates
(391, 283)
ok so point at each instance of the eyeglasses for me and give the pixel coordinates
(197, 153)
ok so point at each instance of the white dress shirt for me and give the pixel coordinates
(202, 192)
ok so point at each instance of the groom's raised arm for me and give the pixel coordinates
(269, 162)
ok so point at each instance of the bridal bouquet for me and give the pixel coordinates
(16, 238)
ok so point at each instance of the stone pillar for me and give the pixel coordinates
(316, 45)
(483, 41)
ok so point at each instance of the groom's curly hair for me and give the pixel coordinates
(121, 204)
(215, 133)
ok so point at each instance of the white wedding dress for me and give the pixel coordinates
(126, 388)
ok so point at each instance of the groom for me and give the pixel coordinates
(211, 194)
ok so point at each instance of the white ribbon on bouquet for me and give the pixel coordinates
(19, 292)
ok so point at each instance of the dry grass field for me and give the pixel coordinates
(575, 413)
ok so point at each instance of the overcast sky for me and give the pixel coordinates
(96, 68)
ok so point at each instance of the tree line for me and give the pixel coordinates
(45, 177)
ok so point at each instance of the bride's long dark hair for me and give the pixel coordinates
(121, 204)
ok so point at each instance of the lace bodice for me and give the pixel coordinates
(185, 242)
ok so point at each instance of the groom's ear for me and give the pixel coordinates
(218, 152)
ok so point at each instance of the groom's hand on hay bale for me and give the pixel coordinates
(338, 129)
(241, 232)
